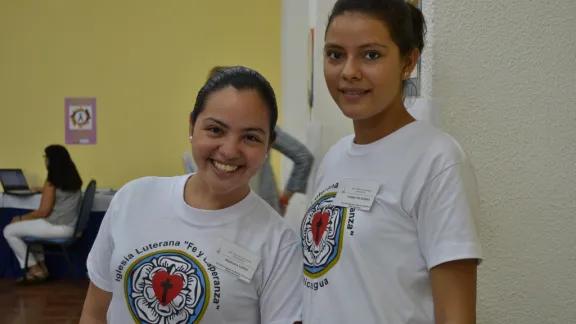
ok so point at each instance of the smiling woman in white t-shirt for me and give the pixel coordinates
(390, 235)
(202, 248)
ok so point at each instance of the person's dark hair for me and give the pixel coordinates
(62, 172)
(405, 22)
(215, 70)
(240, 78)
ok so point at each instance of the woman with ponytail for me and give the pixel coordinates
(390, 236)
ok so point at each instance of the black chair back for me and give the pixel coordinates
(85, 209)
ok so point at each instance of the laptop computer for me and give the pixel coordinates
(14, 182)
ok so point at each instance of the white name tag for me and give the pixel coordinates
(236, 260)
(358, 194)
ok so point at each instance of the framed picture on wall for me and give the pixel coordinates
(311, 27)
(311, 69)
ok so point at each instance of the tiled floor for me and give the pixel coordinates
(58, 302)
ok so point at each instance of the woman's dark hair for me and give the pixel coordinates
(215, 70)
(405, 22)
(62, 172)
(240, 78)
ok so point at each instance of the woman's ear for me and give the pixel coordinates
(190, 131)
(272, 140)
(410, 62)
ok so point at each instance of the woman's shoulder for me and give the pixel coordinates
(440, 145)
(148, 183)
(267, 220)
(149, 186)
(433, 152)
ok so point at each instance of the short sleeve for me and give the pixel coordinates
(446, 213)
(281, 298)
(98, 263)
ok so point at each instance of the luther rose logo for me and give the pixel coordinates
(167, 287)
(322, 234)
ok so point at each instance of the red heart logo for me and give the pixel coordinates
(319, 223)
(166, 287)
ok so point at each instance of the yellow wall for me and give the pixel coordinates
(144, 61)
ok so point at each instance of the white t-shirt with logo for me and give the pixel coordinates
(372, 267)
(158, 256)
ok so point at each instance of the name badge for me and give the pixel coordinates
(358, 194)
(236, 260)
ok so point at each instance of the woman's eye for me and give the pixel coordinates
(214, 130)
(252, 138)
(333, 55)
(372, 55)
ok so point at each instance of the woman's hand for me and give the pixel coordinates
(284, 200)
(283, 207)
(16, 219)
(37, 189)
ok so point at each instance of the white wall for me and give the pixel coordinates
(505, 74)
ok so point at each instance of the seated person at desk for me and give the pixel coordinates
(56, 216)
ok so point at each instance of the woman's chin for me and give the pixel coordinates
(225, 186)
(223, 183)
(356, 113)
(230, 195)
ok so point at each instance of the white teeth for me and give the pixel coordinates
(225, 167)
(354, 92)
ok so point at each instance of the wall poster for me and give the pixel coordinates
(80, 115)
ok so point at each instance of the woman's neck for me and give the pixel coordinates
(199, 195)
(393, 118)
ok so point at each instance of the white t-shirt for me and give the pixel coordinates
(371, 267)
(156, 254)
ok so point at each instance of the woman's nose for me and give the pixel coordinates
(351, 70)
(229, 148)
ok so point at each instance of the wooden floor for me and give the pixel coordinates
(47, 303)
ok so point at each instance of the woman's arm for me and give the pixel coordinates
(95, 306)
(303, 161)
(281, 296)
(454, 292)
(446, 212)
(46, 203)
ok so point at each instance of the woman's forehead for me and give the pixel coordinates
(236, 108)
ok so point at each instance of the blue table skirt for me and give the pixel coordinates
(57, 265)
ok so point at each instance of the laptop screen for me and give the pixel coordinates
(13, 179)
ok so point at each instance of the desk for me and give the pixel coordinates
(11, 206)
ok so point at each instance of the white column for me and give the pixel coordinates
(325, 111)
(294, 66)
(295, 111)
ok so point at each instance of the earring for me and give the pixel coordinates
(190, 137)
